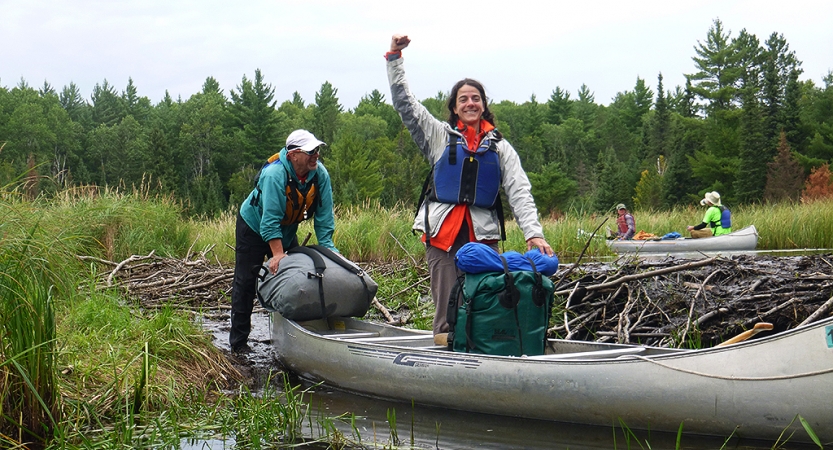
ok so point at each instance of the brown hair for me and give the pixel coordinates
(452, 101)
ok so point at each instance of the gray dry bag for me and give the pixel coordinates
(314, 282)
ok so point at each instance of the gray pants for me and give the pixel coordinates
(444, 274)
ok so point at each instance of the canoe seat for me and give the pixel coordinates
(597, 354)
(392, 339)
(351, 335)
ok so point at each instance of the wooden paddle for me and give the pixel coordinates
(760, 326)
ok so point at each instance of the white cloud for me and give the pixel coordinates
(515, 48)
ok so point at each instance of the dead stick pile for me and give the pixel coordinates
(155, 281)
(691, 303)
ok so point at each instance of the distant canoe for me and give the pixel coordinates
(742, 240)
(751, 389)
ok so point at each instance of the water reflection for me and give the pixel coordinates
(437, 428)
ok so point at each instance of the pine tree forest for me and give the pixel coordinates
(744, 125)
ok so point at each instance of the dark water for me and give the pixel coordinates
(435, 428)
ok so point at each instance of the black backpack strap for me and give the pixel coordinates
(452, 149)
(539, 294)
(499, 209)
(451, 314)
(467, 302)
(509, 296)
(318, 262)
(422, 197)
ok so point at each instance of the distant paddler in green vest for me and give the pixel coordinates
(716, 222)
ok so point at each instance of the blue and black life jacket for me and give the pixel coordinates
(464, 177)
(725, 218)
(300, 204)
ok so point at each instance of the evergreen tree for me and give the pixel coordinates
(649, 188)
(206, 195)
(559, 106)
(138, 107)
(75, 105)
(660, 126)
(203, 136)
(210, 86)
(374, 104)
(677, 181)
(634, 104)
(552, 188)
(294, 116)
(253, 115)
(46, 89)
(780, 78)
(326, 113)
(106, 105)
(753, 154)
(718, 70)
(612, 187)
(790, 116)
(585, 109)
(355, 169)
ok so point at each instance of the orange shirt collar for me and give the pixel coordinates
(473, 138)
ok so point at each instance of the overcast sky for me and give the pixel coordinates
(516, 48)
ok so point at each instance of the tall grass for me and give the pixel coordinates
(28, 392)
(369, 232)
(73, 360)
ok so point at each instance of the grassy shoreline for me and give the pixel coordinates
(86, 367)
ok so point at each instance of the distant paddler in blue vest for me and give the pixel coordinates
(470, 162)
(716, 222)
(292, 186)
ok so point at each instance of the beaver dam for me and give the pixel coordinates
(672, 303)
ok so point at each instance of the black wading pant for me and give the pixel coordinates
(250, 252)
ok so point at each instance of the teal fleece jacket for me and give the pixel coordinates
(265, 218)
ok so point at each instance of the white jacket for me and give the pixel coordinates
(431, 136)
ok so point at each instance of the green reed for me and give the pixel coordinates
(28, 282)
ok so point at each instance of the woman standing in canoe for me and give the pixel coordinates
(470, 162)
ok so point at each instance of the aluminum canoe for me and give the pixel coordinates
(754, 389)
(745, 239)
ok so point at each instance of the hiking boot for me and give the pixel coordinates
(242, 349)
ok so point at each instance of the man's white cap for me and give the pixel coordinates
(302, 139)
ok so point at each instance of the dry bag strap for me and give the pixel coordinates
(318, 262)
(356, 270)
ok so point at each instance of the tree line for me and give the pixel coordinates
(743, 125)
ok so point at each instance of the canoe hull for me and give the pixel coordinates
(752, 385)
(745, 239)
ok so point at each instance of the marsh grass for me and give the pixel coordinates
(29, 395)
(368, 232)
